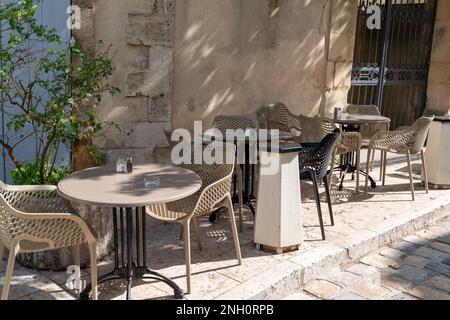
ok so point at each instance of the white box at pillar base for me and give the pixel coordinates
(437, 154)
(278, 222)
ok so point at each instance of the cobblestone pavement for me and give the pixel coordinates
(415, 268)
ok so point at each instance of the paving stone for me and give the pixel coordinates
(406, 247)
(440, 282)
(439, 268)
(426, 293)
(414, 239)
(370, 290)
(428, 253)
(432, 233)
(441, 247)
(349, 296)
(445, 239)
(409, 273)
(392, 253)
(391, 281)
(381, 262)
(343, 279)
(416, 261)
(300, 296)
(363, 270)
(322, 289)
(402, 296)
(444, 259)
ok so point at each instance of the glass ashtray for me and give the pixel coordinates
(151, 182)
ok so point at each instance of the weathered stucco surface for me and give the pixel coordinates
(231, 57)
(438, 94)
(180, 61)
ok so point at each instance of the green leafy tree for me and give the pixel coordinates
(56, 106)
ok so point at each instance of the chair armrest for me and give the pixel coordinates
(36, 188)
(36, 199)
(391, 140)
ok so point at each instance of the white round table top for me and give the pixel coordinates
(347, 118)
(102, 186)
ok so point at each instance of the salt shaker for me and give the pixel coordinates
(121, 165)
(129, 165)
(337, 113)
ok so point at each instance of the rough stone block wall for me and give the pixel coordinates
(438, 93)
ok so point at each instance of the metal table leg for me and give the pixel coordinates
(130, 269)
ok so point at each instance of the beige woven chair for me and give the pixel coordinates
(314, 129)
(279, 117)
(367, 131)
(409, 141)
(214, 194)
(22, 230)
(235, 122)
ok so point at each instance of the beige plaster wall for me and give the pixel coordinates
(231, 57)
(438, 93)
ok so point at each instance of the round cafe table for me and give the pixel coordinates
(352, 123)
(127, 196)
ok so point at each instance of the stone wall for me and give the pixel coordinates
(438, 94)
(141, 32)
(179, 61)
(233, 56)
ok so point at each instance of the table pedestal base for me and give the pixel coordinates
(128, 266)
(278, 222)
(349, 168)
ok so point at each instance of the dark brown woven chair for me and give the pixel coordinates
(314, 160)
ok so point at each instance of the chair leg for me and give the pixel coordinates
(358, 168)
(93, 261)
(411, 182)
(373, 159)
(330, 177)
(197, 234)
(187, 253)
(384, 167)
(229, 205)
(9, 271)
(425, 173)
(327, 193)
(77, 261)
(2, 250)
(240, 197)
(319, 209)
(369, 152)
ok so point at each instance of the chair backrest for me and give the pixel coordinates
(279, 117)
(314, 129)
(233, 122)
(367, 131)
(419, 132)
(216, 178)
(319, 159)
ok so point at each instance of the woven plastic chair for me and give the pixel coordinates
(236, 122)
(367, 131)
(214, 194)
(409, 141)
(22, 230)
(279, 117)
(314, 160)
(314, 129)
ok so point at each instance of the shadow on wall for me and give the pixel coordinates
(231, 57)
